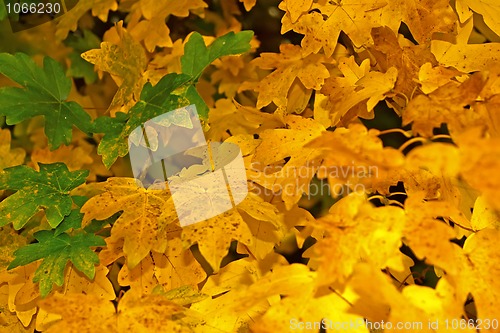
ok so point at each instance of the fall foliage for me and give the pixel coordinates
(370, 137)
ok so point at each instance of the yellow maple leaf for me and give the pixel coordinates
(125, 60)
(419, 308)
(166, 61)
(69, 21)
(464, 56)
(423, 17)
(428, 197)
(357, 86)
(295, 8)
(354, 156)
(291, 179)
(489, 101)
(234, 276)
(296, 304)
(277, 144)
(147, 20)
(434, 168)
(438, 158)
(218, 311)
(135, 313)
(77, 283)
(432, 77)
(231, 118)
(161, 269)
(264, 222)
(484, 216)
(214, 235)
(152, 8)
(175, 268)
(309, 313)
(230, 72)
(452, 104)
(482, 154)
(140, 225)
(248, 4)
(482, 263)
(154, 32)
(435, 247)
(322, 22)
(289, 65)
(245, 303)
(23, 293)
(465, 269)
(357, 231)
(14, 316)
(9, 321)
(391, 51)
(74, 157)
(489, 10)
(9, 242)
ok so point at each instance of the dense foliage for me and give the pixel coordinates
(370, 133)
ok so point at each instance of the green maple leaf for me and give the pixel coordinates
(44, 93)
(47, 189)
(3, 11)
(197, 56)
(155, 100)
(72, 221)
(172, 92)
(56, 251)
